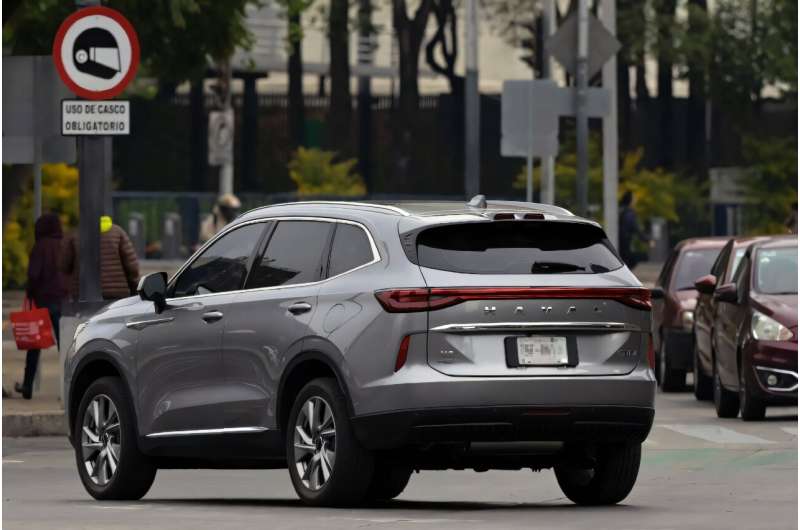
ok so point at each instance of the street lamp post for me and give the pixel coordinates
(472, 114)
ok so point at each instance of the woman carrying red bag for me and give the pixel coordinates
(45, 286)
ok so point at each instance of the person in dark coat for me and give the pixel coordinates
(628, 231)
(119, 266)
(45, 287)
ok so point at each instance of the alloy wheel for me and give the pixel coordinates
(315, 443)
(101, 439)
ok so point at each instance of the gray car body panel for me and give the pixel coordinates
(185, 374)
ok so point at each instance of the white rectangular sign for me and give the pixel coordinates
(95, 118)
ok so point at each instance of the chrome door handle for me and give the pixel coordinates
(212, 316)
(299, 308)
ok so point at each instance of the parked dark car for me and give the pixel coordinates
(704, 314)
(755, 333)
(674, 298)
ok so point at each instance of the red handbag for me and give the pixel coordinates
(32, 327)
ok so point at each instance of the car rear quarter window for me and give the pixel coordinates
(691, 265)
(350, 249)
(293, 255)
(517, 247)
(222, 266)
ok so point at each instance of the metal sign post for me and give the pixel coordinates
(472, 99)
(608, 15)
(96, 53)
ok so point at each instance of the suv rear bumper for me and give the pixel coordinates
(504, 424)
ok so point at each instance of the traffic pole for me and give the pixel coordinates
(581, 116)
(472, 114)
(608, 15)
(92, 153)
(548, 185)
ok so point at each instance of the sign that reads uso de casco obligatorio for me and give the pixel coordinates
(96, 53)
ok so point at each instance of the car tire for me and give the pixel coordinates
(751, 408)
(388, 480)
(725, 402)
(320, 412)
(109, 462)
(702, 384)
(672, 380)
(609, 482)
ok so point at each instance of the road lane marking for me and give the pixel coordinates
(716, 434)
(13, 461)
(790, 430)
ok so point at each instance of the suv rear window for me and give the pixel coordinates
(517, 247)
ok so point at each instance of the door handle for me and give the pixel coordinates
(299, 308)
(212, 316)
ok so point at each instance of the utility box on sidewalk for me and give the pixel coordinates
(136, 233)
(172, 239)
(659, 240)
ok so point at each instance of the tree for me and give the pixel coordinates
(410, 32)
(339, 111)
(296, 109)
(665, 21)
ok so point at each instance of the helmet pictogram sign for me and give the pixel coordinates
(96, 52)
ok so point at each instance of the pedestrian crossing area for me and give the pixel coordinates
(731, 434)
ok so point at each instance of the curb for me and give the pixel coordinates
(46, 423)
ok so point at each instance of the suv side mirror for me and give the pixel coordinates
(657, 293)
(727, 293)
(153, 287)
(705, 284)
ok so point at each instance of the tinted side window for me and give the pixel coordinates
(718, 269)
(222, 266)
(293, 255)
(350, 249)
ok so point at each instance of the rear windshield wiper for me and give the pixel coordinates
(554, 267)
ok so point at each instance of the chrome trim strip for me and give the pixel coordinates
(141, 324)
(522, 326)
(196, 432)
(376, 257)
(779, 371)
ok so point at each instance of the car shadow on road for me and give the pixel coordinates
(395, 505)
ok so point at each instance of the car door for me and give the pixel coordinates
(270, 318)
(726, 327)
(704, 312)
(180, 376)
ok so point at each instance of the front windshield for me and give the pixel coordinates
(692, 265)
(776, 271)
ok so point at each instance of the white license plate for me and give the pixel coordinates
(542, 351)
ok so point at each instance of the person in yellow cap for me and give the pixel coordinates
(119, 266)
(225, 210)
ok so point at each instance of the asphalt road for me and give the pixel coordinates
(697, 472)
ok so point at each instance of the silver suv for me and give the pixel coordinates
(357, 342)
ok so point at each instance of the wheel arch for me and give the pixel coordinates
(311, 363)
(92, 366)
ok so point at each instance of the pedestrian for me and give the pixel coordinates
(628, 231)
(791, 220)
(45, 287)
(119, 266)
(225, 210)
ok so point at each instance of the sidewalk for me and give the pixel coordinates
(44, 414)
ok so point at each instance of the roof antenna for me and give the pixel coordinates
(478, 201)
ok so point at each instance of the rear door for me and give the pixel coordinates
(270, 317)
(531, 298)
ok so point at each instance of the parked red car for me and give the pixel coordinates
(705, 312)
(755, 334)
(674, 297)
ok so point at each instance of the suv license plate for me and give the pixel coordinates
(542, 351)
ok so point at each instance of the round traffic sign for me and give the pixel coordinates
(96, 52)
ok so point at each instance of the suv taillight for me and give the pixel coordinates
(429, 299)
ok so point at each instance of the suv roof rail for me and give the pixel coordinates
(387, 207)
